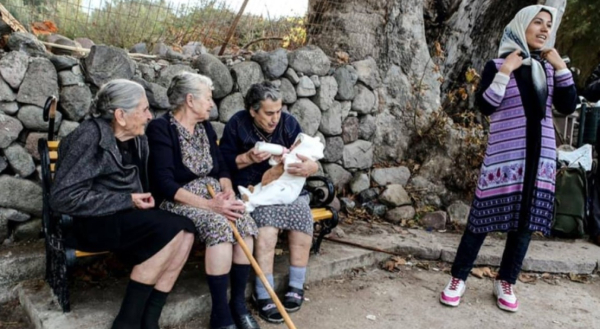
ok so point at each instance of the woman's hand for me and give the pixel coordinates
(227, 188)
(552, 56)
(142, 200)
(304, 169)
(512, 62)
(231, 209)
(256, 156)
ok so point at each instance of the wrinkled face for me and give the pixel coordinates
(268, 115)
(538, 31)
(202, 105)
(136, 120)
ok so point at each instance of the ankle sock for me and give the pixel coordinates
(239, 278)
(133, 306)
(261, 291)
(220, 315)
(297, 277)
(154, 307)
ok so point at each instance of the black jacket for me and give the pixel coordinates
(166, 169)
(592, 86)
(90, 178)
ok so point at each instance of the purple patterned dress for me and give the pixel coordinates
(499, 194)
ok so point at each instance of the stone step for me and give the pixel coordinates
(95, 306)
(18, 263)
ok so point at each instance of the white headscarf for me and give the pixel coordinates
(514, 38)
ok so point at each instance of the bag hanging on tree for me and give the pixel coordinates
(570, 203)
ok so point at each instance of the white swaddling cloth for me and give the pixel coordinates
(286, 188)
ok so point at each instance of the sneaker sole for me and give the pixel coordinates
(292, 310)
(449, 303)
(270, 320)
(504, 307)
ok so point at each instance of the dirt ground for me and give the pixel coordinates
(408, 298)
(378, 299)
(12, 316)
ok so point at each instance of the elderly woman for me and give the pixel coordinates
(264, 120)
(515, 191)
(184, 162)
(101, 181)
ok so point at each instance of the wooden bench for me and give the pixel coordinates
(57, 227)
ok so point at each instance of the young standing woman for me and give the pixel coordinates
(515, 190)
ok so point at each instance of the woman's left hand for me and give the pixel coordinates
(304, 169)
(227, 189)
(552, 56)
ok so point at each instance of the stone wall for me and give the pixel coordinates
(336, 101)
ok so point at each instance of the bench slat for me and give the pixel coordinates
(53, 145)
(53, 155)
(79, 253)
(320, 214)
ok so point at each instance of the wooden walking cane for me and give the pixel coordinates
(259, 272)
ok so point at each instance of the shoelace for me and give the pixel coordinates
(454, 283)
(506, 287)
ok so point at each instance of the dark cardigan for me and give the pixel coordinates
(239, 136)
(90, 178)
(166, 169)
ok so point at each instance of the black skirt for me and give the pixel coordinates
(134, 235)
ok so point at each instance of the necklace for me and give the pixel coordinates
(264, 137)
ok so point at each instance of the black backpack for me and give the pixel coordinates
(570, 203)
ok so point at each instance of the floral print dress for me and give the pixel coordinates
(211, 228)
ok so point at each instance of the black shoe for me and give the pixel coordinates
(228, 327)
(267, 310)
(293, 299)
(245, 321)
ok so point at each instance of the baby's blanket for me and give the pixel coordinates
(286, 188)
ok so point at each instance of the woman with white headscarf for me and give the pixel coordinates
(515, 190)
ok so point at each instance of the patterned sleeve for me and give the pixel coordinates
(487, 98)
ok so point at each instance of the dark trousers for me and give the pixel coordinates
(515, 249)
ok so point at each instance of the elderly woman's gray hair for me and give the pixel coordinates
(117, 94)
(186, 83)
(259, 92)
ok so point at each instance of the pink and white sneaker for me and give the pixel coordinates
(453, 292)
(505, 296)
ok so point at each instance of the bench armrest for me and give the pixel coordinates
(320, 194)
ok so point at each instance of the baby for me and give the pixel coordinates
(277, 186)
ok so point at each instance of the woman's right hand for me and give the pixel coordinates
(512, 62)
(231, 209)
(256, 156)
(142, 200)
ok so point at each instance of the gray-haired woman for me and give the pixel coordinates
(101, 181)
(265, 120)
(184, 161)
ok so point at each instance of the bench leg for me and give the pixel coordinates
(324, 227)
(58, 273)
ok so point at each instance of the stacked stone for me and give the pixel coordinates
(339, 104)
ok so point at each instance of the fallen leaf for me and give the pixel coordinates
(578, 278)
(342, 57)
(471, 74)
(389, 266)
(399, 260)
(424, 266)
(527, 278)
(371, 317)
(488, 272)
(278, 252)
(477, 272)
